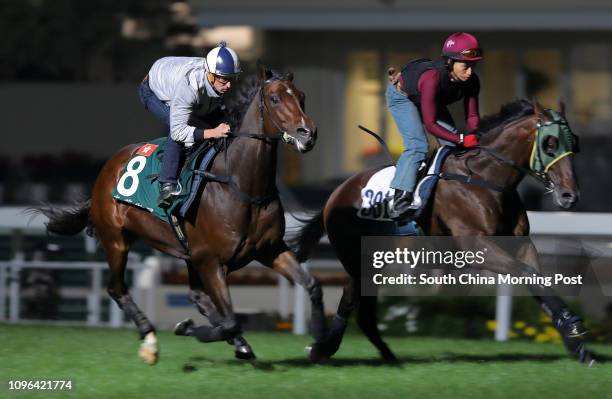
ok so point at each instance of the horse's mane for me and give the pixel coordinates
(508, 113)
(238, 105)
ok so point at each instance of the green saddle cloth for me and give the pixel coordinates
(138, 184)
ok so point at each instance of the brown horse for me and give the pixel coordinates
(236, 222)
(487, 205)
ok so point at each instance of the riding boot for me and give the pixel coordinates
(401, 204)
(167, 192)
(168, 173)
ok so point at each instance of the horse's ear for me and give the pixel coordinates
(289, 77)
(537, 108)
(562, 107)
(263, 72)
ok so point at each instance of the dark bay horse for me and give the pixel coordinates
(232, 225)
(521, 139)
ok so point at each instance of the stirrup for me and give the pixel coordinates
(166, 197)
(165, 201)
(405, 207)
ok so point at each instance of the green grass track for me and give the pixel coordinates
(103, 363)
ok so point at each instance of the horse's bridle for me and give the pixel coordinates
(281, 134)
(540, 177)
(541, 173)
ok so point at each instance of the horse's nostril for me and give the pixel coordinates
(303, 131)
(568, 196)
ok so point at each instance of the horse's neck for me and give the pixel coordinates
(514, 142)
(254, 160)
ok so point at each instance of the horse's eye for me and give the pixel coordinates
(550, 145)
(275, 99)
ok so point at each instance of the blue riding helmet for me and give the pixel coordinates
(223, 61)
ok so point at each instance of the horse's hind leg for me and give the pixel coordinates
(206, 307)
(367, 320)
(329, 346)
(116, 253)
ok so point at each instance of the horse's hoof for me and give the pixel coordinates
(586, 357)
(316, 353)
(244, 353)
(149, 351)
(182, 328)
(389, 357)
(148, 356)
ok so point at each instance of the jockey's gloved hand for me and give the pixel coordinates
(469, 140)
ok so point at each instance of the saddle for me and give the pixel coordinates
(377, 192)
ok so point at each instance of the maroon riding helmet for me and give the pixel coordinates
(462, 46)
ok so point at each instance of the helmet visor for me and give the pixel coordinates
(467, 54)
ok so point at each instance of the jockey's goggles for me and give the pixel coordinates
(467, 53)
(225, 79)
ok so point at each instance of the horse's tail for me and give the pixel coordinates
(303, 241)
(66, 222)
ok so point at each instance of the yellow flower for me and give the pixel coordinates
(513, 334)
(520, 325)
(544, 317)
(530, 331)
(542, 338)
(491, 325)
(551, 332)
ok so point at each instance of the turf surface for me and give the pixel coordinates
(102, 363)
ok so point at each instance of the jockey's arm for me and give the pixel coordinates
(181, 106)
(428, 87)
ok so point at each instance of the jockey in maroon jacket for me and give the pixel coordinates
(420, 97)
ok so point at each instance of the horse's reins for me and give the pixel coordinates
(268, 138)
(548, 184)
(539, 176)
(469, 179)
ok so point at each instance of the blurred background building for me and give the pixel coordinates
(70, 72)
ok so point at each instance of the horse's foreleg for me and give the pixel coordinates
(569, 325)
(225, 325)
(206, 307)
(287, 265)
(526, 264)
(117, 258)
